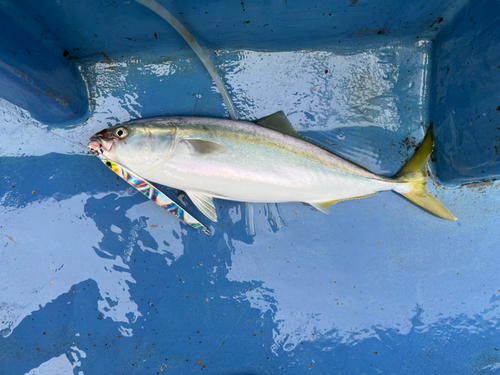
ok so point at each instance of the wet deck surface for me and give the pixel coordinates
(96, 279)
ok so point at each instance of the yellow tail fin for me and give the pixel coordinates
(415, 174)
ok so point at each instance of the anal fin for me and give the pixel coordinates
(324, 206)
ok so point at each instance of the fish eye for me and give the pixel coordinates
(121, 132)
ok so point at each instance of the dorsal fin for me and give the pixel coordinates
(279, 122)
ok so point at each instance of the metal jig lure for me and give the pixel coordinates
(160, 198)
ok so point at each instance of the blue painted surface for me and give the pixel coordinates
(36, 72)
(95, 279)
(466, 101)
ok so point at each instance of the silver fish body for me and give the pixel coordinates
(238, 160)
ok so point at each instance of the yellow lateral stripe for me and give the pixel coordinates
(325, 205)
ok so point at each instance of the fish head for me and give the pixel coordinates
(137, 145)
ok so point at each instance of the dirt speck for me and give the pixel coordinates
(367, 32)
(54, 95)
(407, 143)
(107, 59)
(480, 184)
(10, 238)
(438, 20)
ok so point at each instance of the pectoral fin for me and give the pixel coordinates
(204, 203)
(202, 147)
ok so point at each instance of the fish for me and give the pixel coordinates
(265, 161)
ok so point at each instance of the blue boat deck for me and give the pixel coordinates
(95, 279)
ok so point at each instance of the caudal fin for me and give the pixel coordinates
(415, 174)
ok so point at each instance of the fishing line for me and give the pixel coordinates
(69, 140)
(60, 136)
(167, 16)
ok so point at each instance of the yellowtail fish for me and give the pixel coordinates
(266, 161)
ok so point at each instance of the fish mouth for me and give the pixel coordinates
(97, 145)
(94, 146)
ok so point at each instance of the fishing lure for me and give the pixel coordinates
(160, 198)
